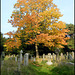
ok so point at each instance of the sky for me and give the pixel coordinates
(66, 8)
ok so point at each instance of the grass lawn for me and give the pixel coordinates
(10, 68)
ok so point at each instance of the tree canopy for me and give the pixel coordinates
(37, 22)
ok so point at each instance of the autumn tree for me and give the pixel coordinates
(39, 22)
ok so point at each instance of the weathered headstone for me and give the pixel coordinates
(46, 56)
(67, 55)
(15, 59)
(26, 57)
(57, 54)
(21, 56)
(62, 57)
(43, 56)
(73, 55)
(34, 59)
(18, 63)
(58, 57)
(14, 55)
(70, 57)
(49, 59)
(53, 57)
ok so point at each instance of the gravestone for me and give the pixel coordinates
(49, 59)
(16, 59)
(53, 57)
(21, 56)
(73, 55)
(70, 56)
(57, 54)
(62, 57)
(19, 64)
(58, 57)
(43, 56)
(24, 60)
(14, 55)
(46, 56)
(26, 57)
(34, 59)
(67, 55)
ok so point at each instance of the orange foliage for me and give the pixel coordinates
(40, 17)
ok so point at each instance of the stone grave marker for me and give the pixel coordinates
(53, 56)
(26, 57)
(21, 56)
(73, 55)
(62, 57)
(57, 57)
(46, 56)
(14, 55)
(16, 59)
(67, 56)
(19, 64)
(34, 59)
(43, 56)
(70, 56)
(49, 59)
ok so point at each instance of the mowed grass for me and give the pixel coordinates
(34, 68)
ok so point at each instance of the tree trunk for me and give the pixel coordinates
(36, 48)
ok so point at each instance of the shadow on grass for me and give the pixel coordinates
(63, 70)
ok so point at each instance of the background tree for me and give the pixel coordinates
(37, 22)
(71, 34)
(2, 42)
(71, 28)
